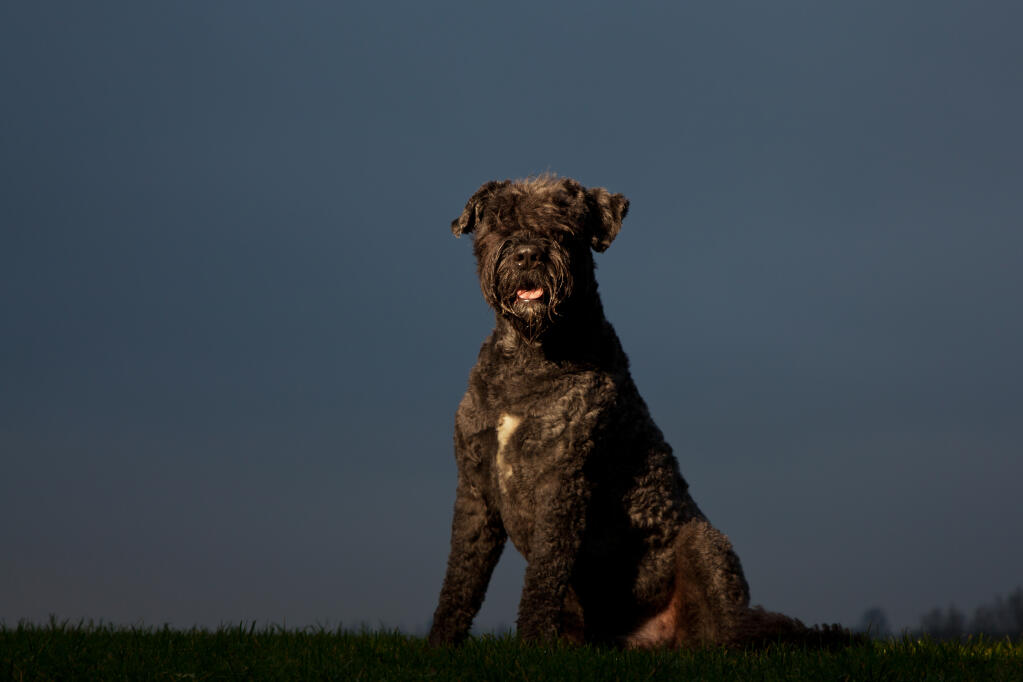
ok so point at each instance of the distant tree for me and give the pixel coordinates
(932, 622)
(1002, 618)
(874, 622)
(950, 624)
(1014, 606)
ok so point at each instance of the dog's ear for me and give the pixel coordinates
(606, 214)
(466, 222)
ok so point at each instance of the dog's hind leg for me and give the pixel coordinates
(711, 598)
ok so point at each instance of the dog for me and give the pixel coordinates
(557, 451)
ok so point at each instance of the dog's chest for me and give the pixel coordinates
(505, 459)
(528, 449)
(530, 452)
(528, 437)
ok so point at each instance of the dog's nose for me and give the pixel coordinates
(527, 256)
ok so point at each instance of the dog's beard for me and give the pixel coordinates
(529, 302)
(529, 299)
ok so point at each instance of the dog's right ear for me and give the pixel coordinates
(467, 222)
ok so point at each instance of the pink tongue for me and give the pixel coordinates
(529, 294)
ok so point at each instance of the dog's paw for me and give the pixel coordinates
(538, 629)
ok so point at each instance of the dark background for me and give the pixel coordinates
(235, 325)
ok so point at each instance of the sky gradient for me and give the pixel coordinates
(235, 325)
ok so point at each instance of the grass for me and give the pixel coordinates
(59, 651)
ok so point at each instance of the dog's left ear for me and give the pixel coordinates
(606, 214)
(470, 217)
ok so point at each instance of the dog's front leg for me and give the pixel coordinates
(477, 538)
(559, 518)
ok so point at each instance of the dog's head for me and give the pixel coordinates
(533, 241)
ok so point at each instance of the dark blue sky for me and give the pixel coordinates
(235, 325)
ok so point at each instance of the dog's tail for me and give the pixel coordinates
(759, 628)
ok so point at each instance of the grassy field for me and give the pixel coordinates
(87, 652)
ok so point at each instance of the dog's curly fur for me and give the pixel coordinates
(557, 450)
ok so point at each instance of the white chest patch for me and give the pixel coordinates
(506, 426)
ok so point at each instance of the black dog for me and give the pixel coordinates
(556, 450)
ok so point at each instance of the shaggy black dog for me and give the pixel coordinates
(556, 450)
